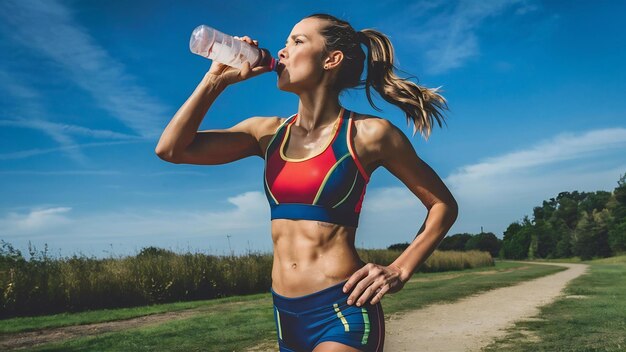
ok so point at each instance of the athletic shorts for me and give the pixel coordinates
(306, 321)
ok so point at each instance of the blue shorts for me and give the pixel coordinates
(304, 322)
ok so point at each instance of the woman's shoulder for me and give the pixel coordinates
(270, 124)
(371, 128)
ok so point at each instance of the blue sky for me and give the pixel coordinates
(535, 89)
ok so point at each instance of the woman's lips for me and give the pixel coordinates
(280, 68)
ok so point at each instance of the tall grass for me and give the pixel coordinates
(45, 285)
(438, 261)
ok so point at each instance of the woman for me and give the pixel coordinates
(317, 165)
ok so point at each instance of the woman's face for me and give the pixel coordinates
(302, 57)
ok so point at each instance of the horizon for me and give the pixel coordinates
(534, 89)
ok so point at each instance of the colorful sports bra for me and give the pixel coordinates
(329, 186)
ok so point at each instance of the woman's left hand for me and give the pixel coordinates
(373, 280)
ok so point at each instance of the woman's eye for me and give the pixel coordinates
(295, 41)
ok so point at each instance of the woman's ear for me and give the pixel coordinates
(333, 60)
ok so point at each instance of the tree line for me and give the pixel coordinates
(583, 224)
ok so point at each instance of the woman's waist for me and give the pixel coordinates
(323, 299)
(294, 279)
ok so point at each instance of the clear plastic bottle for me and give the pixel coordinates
(223, 48)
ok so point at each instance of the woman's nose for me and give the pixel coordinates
(281, 53)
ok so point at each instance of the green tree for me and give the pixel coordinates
(617, 237)
(152, 251)
(546, 240)
(485, 241)
(591, 235)
(582, 239)
(595, 201)
(568, 208)
(602, 221)
(516, 240)
(620, 191)
(399, 246)
(455, 242)
(618, 208)
(563, 248)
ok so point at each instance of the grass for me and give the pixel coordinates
(23, 324)
(45, 285)
(594, 323)
(235, 323)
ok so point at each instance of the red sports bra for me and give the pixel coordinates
(329, 186)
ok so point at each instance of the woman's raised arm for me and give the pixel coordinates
(181, 142)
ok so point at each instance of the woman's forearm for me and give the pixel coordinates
(183, 127)
(438, 221)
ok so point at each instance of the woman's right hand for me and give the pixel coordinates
(230, 75)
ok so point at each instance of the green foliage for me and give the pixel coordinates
(154, 251)
(455, 242)
(516, 242)
(595, 201)
(486, 241)
(620, 192)
(591, 235)
(617, 237)
(583, 224)
(398, 246)
(44, 285)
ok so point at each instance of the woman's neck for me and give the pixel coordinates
(317, 111)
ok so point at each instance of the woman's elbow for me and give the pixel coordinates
(165, 154)
(453, 209)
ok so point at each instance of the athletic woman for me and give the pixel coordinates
(318, 162)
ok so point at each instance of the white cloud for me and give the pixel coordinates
(63, 128)
(563, 147)
(35, 221)
(389, 199)
(389, 215)
(47, 27)
(29, 113)
(247, 220)
(68, 147)
(502, 189)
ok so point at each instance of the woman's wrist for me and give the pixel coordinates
(214, 81)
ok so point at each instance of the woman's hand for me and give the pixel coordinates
(229, 75)
(373, 281)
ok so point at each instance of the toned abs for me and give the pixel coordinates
(312, 255)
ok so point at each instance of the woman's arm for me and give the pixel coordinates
(400, 159)
(398, 156)
(182, 143)
(181, 130)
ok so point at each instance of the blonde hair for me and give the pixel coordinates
(420, 104)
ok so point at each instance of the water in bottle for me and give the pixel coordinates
(223, 48)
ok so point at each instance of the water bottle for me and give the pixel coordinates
(223, 48)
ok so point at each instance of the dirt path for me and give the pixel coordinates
(33, 338)
(473, 322)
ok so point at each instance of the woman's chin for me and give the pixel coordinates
(284, 86)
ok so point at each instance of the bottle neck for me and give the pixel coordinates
(266, 59)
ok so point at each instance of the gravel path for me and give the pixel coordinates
(473, 322)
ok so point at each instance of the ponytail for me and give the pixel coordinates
(422, 105)
(419, 103)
